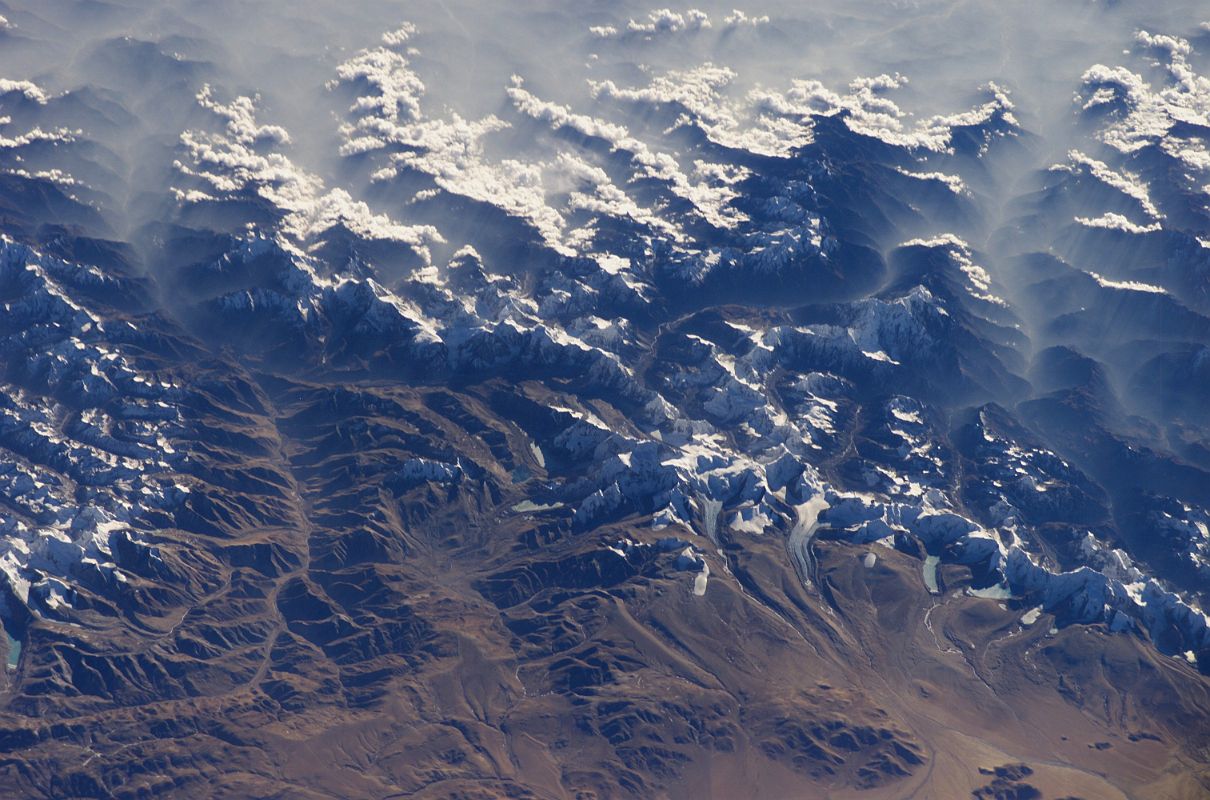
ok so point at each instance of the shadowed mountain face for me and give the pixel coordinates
(375, 424)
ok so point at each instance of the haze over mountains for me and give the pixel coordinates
(604, 402)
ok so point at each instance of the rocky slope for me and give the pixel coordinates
(738, 471)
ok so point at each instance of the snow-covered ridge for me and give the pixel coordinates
(708, 429)
(762, 286)
(87, 433)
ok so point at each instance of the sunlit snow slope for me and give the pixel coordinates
(604, 402)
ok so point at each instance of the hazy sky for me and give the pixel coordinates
(611, 62)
